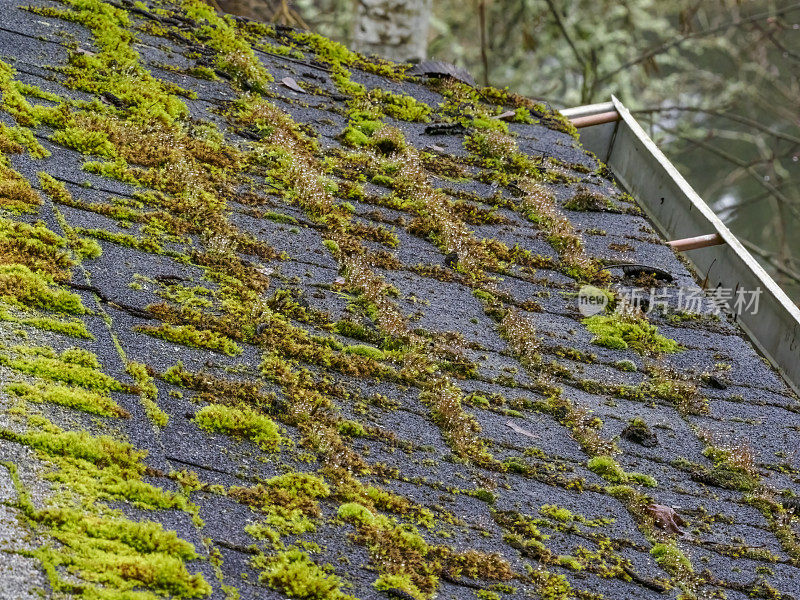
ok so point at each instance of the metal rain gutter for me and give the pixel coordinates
(678, 212)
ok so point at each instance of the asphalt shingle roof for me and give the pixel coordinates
(258, 342)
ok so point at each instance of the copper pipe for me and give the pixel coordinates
(599, 118)
(692, 243)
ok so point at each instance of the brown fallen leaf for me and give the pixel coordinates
(506, 116)
(520, 430)
(292, 85)
(666, 518)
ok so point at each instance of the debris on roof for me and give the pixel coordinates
(262, 338)
(440, 68)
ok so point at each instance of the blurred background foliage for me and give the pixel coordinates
(716, 81)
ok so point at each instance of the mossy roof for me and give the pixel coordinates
(278, 319)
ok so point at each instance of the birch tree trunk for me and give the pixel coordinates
(395, 29)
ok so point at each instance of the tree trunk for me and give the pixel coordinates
(395, 29)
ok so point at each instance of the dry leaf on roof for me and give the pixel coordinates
(292, 85)
(519, 429)
(666, 518)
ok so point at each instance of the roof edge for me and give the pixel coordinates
(679, 212)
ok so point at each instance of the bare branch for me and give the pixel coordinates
(562, 26)
(724, 115)
(772, 259)
(666, 46)
(776, 193)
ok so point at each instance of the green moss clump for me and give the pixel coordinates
(18, 284)
(119, 554)
(80, 356)
(332, 246)
(85, 141)
(587, 199)
(642, 479)
(684, 395)
(94, 468)
(610, 470)
(299, 484)
(76, 329)
(191, 336)
(240, 422)
(351, 428)
(364, 350)
(388, 140)
(235, 54)
(353, 511)
(401, 106)
(388, 581)
(626, 365)
(106, 554)
(148, 393)
(607, 468)
(62, 369)
(145, 244)
(15, 140)
(557, 513)
(354, 137)
(116, 67)
(670, 558)
(399, 550)
(734, 466)
(34, 246)
(202, 72)
(102, 451)
(374, 134)
(73, 397)
(16, 194)
(73, 328)
(294, 573)
(280, 217)
(619, 332)
(570, 562)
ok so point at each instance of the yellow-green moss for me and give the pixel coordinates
(62, 369)
(73, 328)
(241, 422)
(295, 574)
(73, 397)
(364, 350)
(235, 54)
(388, 581)
(191, 336)
(670, 558)
(399, 550)
(18, 284)
(610, 470)
(148, 393)
(145, 244)
(117, 555)
(620, 331)
(116, 68)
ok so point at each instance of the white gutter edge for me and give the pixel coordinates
(587, 109)
(679, 212)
